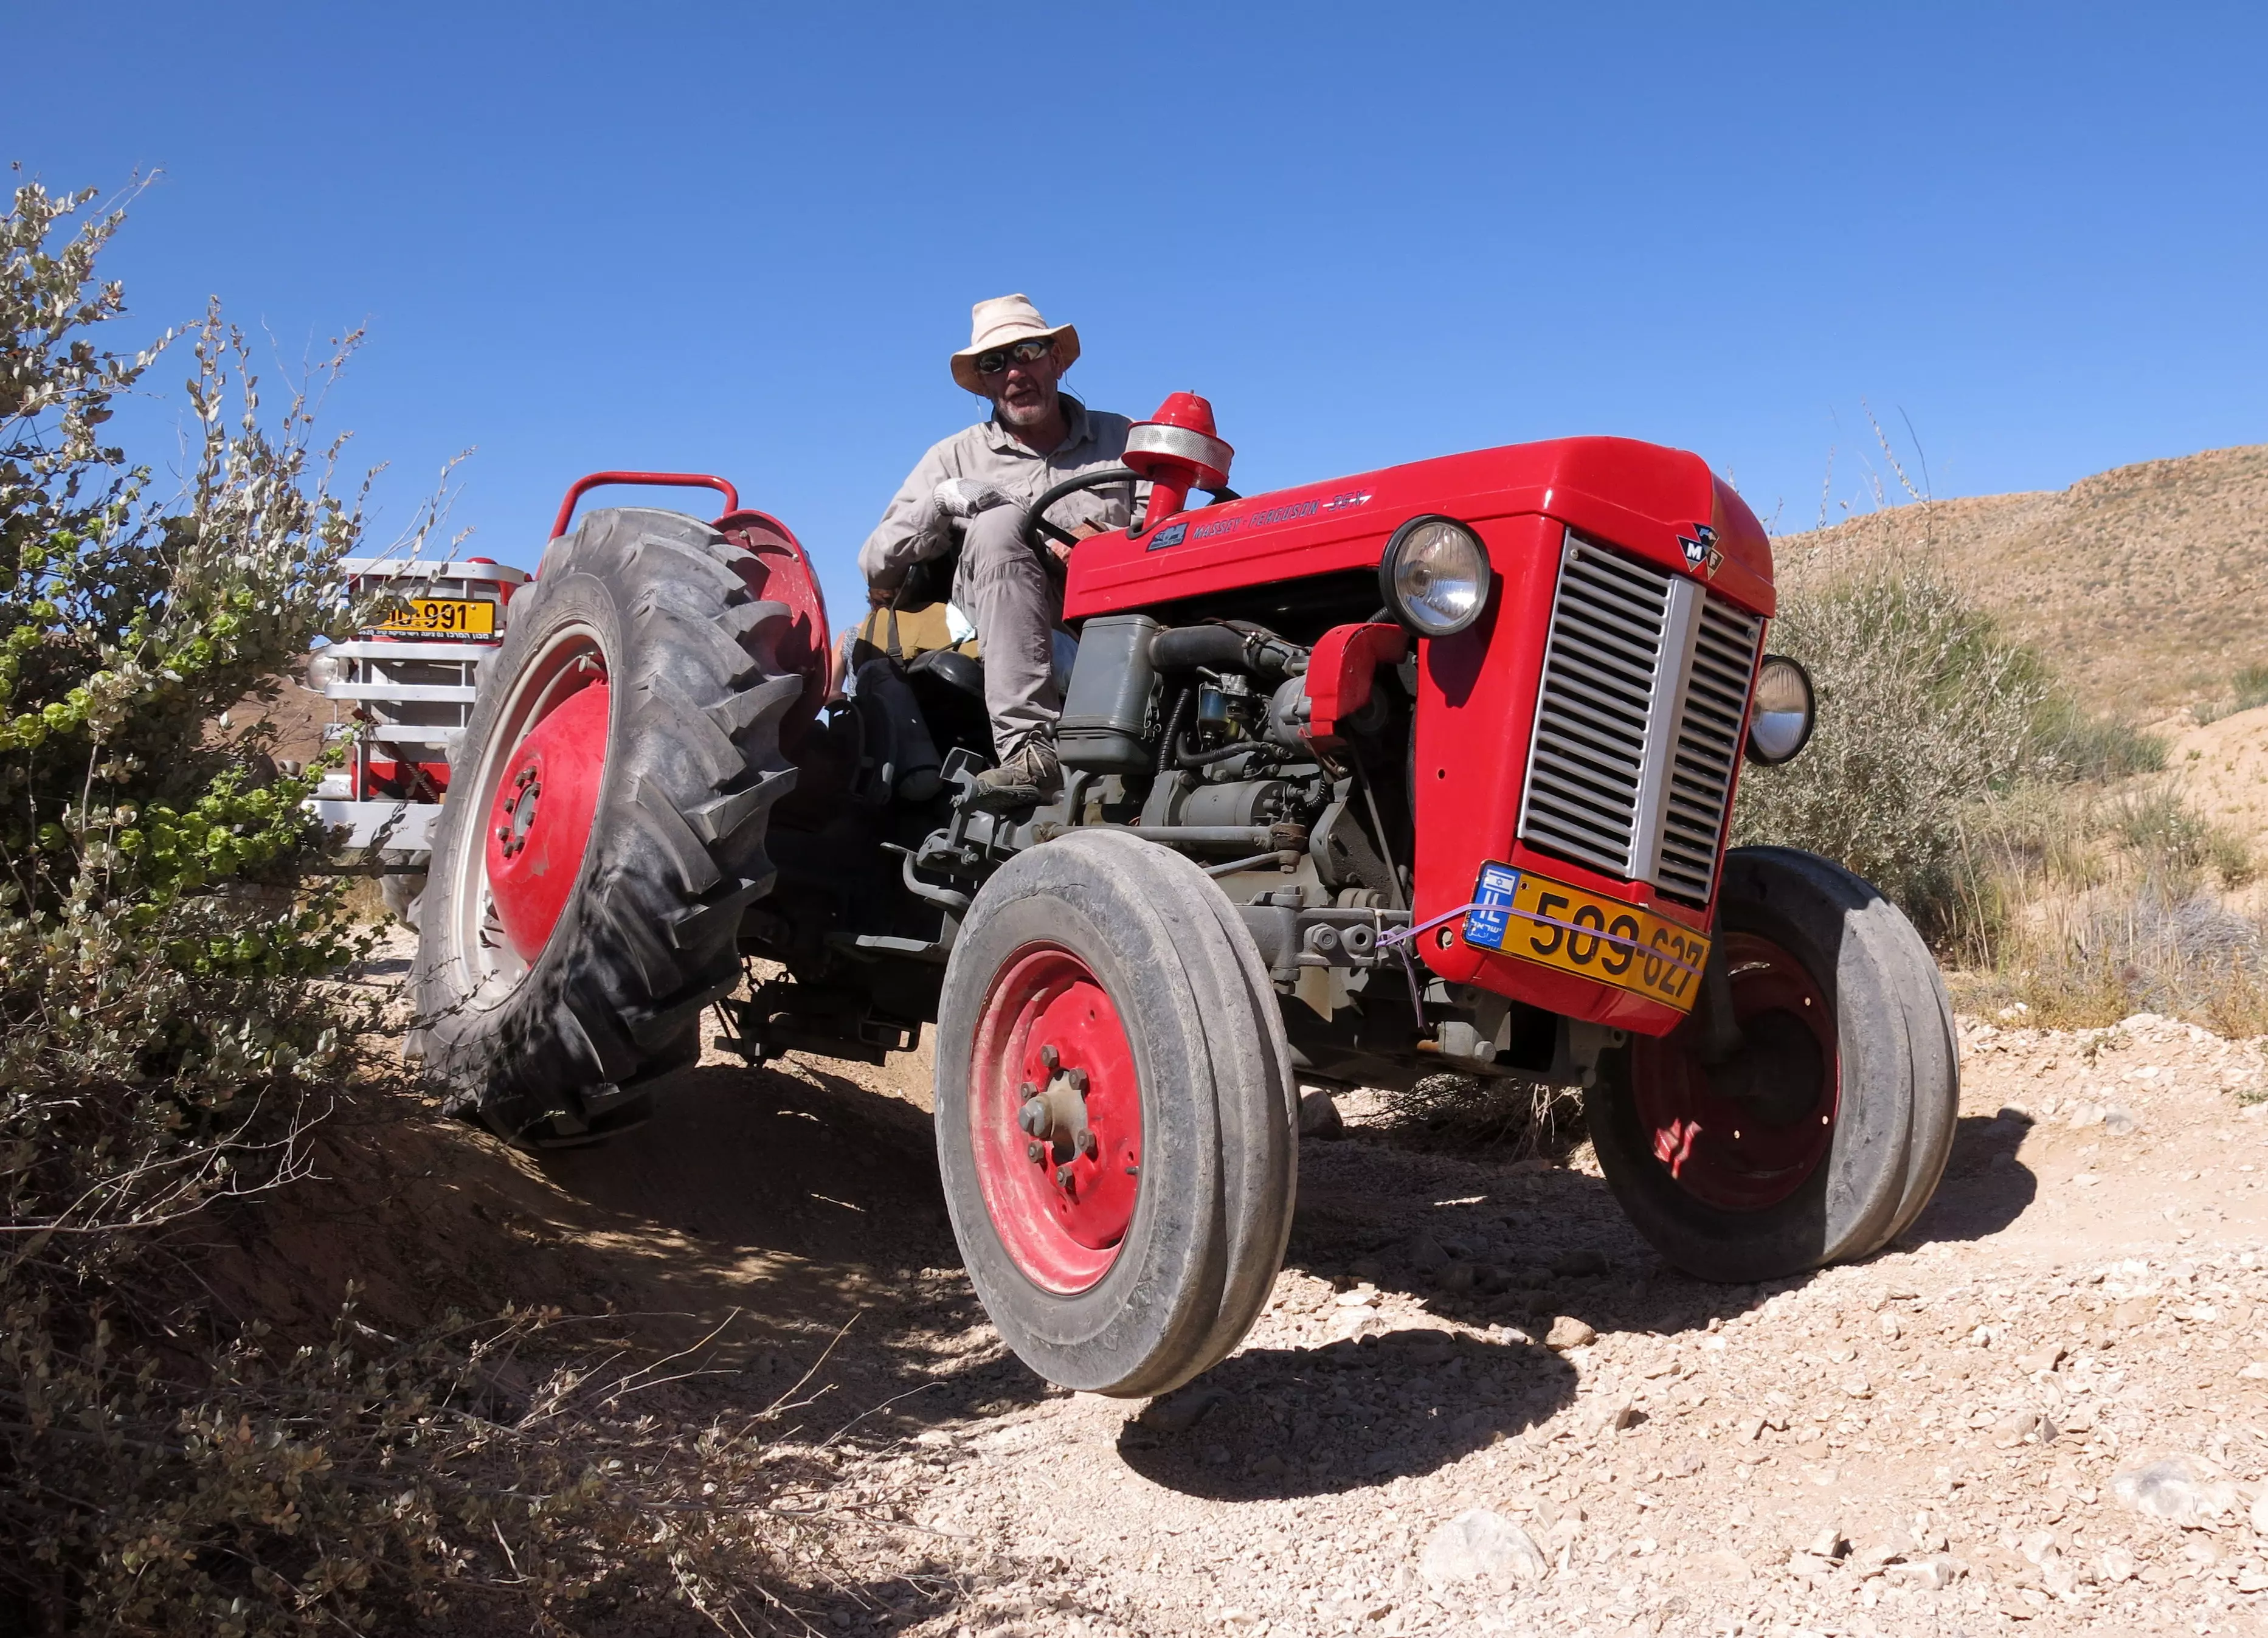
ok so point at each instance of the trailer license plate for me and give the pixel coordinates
(456, 617)
(1521, 914)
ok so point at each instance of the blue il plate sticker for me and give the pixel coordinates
(1485, 924)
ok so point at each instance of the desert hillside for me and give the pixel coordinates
(2148, 585)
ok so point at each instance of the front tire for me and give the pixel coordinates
(1130, 1256)
(605, 830)
(1827, 1133)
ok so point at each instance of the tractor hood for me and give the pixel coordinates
(1662, 504)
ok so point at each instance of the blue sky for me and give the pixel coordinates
(743, 239)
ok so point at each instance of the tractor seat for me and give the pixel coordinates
(963, 672)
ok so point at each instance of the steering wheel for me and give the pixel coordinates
(1038, 532)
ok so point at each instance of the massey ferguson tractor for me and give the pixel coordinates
(1422, 771)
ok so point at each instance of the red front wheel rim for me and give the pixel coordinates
(1054, 1119)
(1746, 1135)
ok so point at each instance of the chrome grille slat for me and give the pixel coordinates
(1602, 666)
(1637, 721)
(1708, 740)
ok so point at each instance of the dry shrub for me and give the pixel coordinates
(452, 1479)
(2021, 836)
(1527, 1117)
(2247, 690)
(1923, 707)
(168, 1031)
(2091, 960)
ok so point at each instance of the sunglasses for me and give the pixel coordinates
(1023, 353)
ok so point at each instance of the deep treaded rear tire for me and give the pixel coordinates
(647, 937)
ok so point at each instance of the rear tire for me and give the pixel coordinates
(1827, 1133)
(1123, 1293)
(552, 984)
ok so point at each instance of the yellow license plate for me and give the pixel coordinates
(455, 617)
(1536, 919)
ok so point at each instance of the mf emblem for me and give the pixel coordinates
(1701, 551)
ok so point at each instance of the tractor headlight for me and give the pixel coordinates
(1781, 712)
(1435, 576)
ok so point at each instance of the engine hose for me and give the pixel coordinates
(1174, 720)
(1186, 756)
(1223, 648)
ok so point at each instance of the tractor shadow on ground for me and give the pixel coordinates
(1985, 1187)
(792, 1205)
(1487, 1242)
(1272, 1423)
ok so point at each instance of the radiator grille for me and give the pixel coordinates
(1708, 740)
(1638, 722)
(1611, 625)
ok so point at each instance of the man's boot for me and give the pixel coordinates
(1030, 774)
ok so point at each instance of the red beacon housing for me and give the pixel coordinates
(1178, 449)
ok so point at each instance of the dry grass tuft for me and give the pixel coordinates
(1528, 1117)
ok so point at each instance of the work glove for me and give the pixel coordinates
(965, 497)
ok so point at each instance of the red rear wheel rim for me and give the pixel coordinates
(1736, 1154)
(539, 824)
(1061, 1209)
(536, 788)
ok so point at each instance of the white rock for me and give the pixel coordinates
(2179, 1488)
(2116, 1565)
(1933, 1574)
(2058, 1575)
(1480, 1544)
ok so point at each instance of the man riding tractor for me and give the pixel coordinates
(1420, 770)
(976, 484)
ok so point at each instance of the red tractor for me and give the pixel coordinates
(1424, 770)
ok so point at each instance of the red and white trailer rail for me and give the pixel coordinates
(403, 693)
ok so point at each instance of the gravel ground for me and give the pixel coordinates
(1478, 1403)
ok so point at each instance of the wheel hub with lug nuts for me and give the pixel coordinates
(1064, 1160)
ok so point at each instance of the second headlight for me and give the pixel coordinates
(1435, 576)
(1781, 711)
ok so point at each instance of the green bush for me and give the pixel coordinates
(1924, 707)
(164, 1028)
(2252, 686)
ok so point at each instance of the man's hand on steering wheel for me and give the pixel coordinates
(1051, 541)
(1060, 550)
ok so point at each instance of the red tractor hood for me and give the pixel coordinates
(1642, 498)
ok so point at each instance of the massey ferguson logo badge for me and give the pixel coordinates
(1701, 551)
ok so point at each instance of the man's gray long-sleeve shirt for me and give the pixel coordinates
(910, 531)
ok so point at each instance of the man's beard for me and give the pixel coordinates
(1027, 415)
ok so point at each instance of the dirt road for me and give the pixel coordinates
(1929, 1443)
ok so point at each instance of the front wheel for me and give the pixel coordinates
(1827, 1132)
(1117, 1119)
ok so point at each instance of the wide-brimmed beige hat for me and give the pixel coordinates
(1000, 321)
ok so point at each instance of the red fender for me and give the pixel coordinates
(782, 572)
